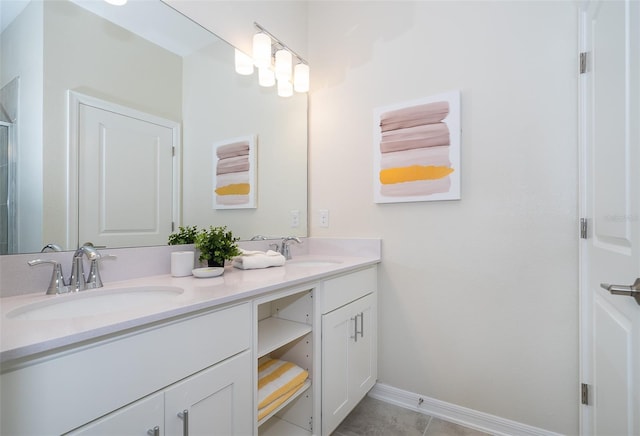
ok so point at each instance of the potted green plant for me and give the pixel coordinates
(216, 245)
(184, 235)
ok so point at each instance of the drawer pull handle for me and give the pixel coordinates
(184, 415)
(155, 431)
(355, 326)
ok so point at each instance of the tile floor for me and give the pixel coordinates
(376, 418)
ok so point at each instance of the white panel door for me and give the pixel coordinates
(337, 329)
(610, 324)
(214, 402)
(349, 358)
(125, 179)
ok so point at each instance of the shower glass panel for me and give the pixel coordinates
(4, 188)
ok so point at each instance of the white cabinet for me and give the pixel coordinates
(114, 383)
(349, 347)
(211, 402)
(215, 402)
(142, 381)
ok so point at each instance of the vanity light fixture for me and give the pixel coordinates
(266, 76)
(285, 88)
(275, 64)
(261, 50)
(301, 78)
(117, 2)
(284, 64)
(244, 63)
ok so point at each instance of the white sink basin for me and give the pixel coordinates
(95, 302)
(313, 262)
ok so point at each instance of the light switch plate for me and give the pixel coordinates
(295, 218)
(324, 218)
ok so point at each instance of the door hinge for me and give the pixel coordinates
(583, 62)
(173, 226)
(584, 394)
(583, 228)
(173, 151)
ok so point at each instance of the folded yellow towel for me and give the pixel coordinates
(277, 378)
(278, 401)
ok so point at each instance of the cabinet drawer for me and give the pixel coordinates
(68, 389)
(342, 290)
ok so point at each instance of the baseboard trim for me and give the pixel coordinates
(457, 414)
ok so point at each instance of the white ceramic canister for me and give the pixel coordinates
(182, 263)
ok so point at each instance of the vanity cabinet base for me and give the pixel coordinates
(60, 392)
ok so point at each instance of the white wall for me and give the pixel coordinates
(478, 297)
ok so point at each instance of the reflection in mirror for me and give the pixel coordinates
(52, 47)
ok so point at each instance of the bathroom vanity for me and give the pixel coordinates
(188, 363)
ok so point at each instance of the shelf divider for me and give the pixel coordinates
(273, 333)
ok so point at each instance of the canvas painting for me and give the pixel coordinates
(234, 173)
(417, 150)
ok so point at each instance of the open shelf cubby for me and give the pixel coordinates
(285, 332)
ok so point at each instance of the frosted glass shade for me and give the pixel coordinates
(244, 63)
(261, 50)
(266, 77)
(285, 88)
(301, 78)
(284, 64)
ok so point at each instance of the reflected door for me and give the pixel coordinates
(125, 179)
(610, 354)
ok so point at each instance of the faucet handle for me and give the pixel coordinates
(285, 250)
(93, 279)
(56, 285)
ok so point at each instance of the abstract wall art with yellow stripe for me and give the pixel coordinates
(417, 150)
(234, 173)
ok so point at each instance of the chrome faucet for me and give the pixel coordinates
(77, 280)
(286, 243)
(51, 247)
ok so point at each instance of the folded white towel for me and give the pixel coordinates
(258, 259)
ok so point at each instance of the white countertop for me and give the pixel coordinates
(20, 338)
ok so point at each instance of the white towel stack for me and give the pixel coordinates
(258, 259)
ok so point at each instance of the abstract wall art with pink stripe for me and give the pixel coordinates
(417, 150)
(234, 170)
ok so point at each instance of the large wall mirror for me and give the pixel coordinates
(148, 58)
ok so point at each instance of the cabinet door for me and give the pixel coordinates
(134, 420)
(349, 363)
(217, 401)
(337, 331)
(363, 362)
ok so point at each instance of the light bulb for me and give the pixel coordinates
(266, 77)
(244, 63)
(261, 50)
(284, 61)
(301, 78)
(285, 88)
